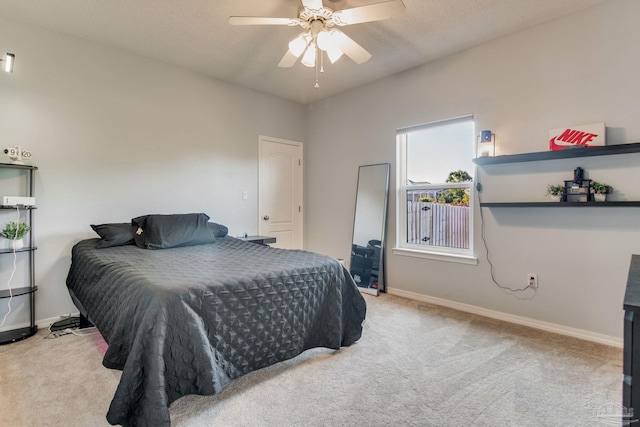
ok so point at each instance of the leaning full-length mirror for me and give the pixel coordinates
(367, 246)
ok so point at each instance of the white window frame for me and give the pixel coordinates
(463, 256)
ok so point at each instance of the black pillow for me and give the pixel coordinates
(170, 231)
(219, 230)
(118, 234)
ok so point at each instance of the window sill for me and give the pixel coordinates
(437, 256)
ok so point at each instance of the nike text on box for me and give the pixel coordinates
(16, 201)
(577, 137)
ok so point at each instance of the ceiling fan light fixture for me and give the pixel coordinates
(299, 44)
(334, 54)
(309, 58)
(324, 40)
(320, 35)
(328, 39)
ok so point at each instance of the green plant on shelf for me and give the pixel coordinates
(554, 190)
(599, 188)
(15, 231)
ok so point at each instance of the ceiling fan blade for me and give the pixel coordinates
(312, 4)
(288, 60)
(372, 12)
(257, 20)
(352, 49)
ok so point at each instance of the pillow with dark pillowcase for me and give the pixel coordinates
(170, 231)
(118, 234)
(219, 230)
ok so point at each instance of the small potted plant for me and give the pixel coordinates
(600, 191)
(555, 192)
(15, 232)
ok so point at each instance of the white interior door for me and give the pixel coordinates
(280, 191)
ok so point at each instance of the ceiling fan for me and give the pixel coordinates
(320, 35)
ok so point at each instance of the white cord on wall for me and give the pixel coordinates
(4, 319)
(486, 247)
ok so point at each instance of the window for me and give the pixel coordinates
(434, 190)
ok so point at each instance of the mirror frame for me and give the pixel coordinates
(383, 232)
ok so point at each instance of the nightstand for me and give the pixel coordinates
(259, 240)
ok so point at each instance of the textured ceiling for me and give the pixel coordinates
(194, 34)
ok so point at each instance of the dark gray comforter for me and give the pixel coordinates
(189, 320)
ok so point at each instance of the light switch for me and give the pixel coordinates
(245, 195)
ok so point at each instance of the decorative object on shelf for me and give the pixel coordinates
(486, 144)
(577, 137)
(578, 175)
(15, 232)
(600, 191)
(9, 59)
(16, 154)
(578, 189)
(555, 192)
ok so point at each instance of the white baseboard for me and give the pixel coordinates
(512, 318)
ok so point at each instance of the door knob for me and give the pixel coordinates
(266, 217)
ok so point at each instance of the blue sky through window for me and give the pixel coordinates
(433, 152)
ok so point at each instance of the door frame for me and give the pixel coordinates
(261, 140)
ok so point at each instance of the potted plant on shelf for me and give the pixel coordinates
(554, 192)
(600, 191)
(15, 232)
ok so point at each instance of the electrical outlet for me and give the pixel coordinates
(532, 280)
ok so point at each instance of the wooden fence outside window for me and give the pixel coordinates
(438, 224)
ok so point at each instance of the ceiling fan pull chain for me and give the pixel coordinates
(318, 59)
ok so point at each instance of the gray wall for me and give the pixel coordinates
(578, 70)
(117, 135)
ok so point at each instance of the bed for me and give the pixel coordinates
(189, 319)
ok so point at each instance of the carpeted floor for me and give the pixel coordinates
(416, 365)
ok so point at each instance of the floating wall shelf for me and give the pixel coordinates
(28, 290)
(605, 150)
(621, 204)
(5, 293)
